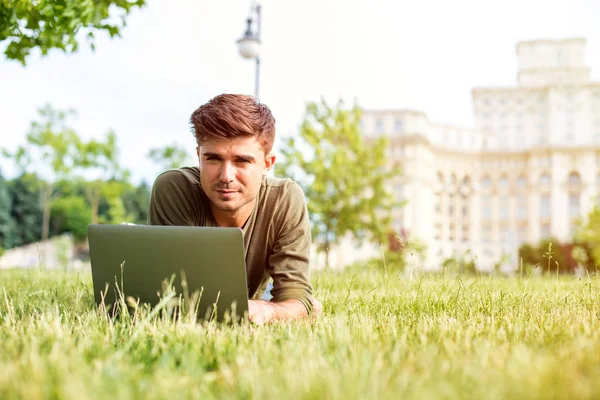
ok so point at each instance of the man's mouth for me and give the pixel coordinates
(226, 194)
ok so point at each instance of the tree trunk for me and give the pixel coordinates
(46, 204)
(327, 244)
(93, 196)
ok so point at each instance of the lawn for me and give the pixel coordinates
(381, 336)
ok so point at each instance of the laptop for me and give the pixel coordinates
(137, 260)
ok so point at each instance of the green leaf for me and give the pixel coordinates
(55, 24)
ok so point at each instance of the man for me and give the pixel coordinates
(235, 135)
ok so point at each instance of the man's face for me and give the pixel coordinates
(231, 171)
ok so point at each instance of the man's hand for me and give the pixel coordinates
(261, 312)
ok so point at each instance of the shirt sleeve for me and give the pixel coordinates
(173, 201)
(289, 259)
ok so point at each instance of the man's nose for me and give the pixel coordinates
(227, 173)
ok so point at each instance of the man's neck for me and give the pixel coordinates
(233, 219)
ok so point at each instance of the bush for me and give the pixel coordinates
(71, 214)
(400, 253)
(464, 265)
(551, 256)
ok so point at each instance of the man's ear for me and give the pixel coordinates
(269, 161)
(198, 151)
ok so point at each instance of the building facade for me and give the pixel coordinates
(528, 169)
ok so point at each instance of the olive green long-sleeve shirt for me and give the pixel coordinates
(276, 235)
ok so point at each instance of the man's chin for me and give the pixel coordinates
(229, 205)
(226, 206)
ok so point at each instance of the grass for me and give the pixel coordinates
(432, 337)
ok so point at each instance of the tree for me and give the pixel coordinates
(51, 24)
(71, 214)
(343, 177)
(26, 211)
(7, 228)
(101, 159)
(135, 200)
(51, 153)
(116, 208)
(169, 157)
(589, 233)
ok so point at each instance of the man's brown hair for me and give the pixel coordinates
(230, 116)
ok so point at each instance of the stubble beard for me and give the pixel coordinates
(223, 206)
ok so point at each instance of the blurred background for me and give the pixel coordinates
(408, 69)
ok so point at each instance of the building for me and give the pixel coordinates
(527, 171)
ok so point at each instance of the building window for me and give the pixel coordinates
(399, 189)
(486, 183)
(438, 231)
(504, 208)
(574, 205)
(398, 126)
(574, 179)
(545, 206)
(503, 183)
(521, 235)
(465, 233)
(522, 207)
(486, 208)
(487, 212)
(545, 231)
(486, 234)
(545, 180)
(505, 238)
(379, 126)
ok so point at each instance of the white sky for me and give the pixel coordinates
(175, 55)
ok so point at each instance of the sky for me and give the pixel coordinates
(175, 55)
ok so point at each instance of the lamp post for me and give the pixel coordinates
(249, 44)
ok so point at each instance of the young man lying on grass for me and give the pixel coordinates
(235, 135)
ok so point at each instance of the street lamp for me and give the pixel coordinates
(249, 44)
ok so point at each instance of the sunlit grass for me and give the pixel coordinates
(430, 337)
